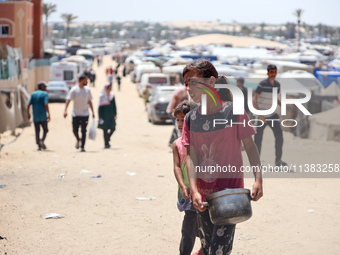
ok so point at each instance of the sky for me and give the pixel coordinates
(241, 11)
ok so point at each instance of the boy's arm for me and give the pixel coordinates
(48, 111)
(191, 162)
(66, 106)
(254, 160)
(178, 171)
(28, 111)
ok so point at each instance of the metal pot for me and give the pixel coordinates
(229, 206)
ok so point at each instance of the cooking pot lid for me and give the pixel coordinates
(226, 192)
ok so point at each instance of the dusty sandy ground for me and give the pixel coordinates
(103, 216)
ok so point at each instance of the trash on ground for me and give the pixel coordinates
(97, 176)
(311, 211)
(1, 238)
(2, 186)
(84, 171)
(61, 176)
(146, 198)
(53, 216)
(130, 173)
(160, 175)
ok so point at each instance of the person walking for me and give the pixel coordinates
(39, 102)
(209, 145)
(189, 224)
(262, 100)
(82, 101)
(107, 113)
(118, 78)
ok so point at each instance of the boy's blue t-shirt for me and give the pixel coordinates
(38, 100)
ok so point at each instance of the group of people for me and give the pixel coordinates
(82, 102)
(203, 144)
(110, 73)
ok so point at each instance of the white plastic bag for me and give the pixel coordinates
(93, 130)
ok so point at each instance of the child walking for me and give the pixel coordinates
(209, 145)
(189, 225)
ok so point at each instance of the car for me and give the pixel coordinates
(57, 90)
(151, 80)
(158, 102)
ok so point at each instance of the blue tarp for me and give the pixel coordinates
(326, 78)
(207, 57)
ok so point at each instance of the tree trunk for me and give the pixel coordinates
(67, 34)
(46, 28)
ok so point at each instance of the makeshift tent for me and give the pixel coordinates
(13, 105)
(325, 126)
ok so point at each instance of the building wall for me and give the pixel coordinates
(7, 18)
(20, 15)
(38, 29)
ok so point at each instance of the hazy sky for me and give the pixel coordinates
(242, 11)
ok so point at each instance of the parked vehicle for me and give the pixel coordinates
(175, 73)
(158, 103)
(65, 71)
(57, 90)
(87, 54)
(151, 80)
(81, 62)
(147, 67)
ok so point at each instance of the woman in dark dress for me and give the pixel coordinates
(107, 112)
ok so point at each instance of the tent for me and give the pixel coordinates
(325, 126)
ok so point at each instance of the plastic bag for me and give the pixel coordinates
(93, 130)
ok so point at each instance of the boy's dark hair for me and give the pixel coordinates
(202, 67)
(271, 67)
(224, 93)
(240, 79)
(41, 85)
(182, 107)
(82, 77)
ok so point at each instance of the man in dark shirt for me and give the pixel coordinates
(262, 100)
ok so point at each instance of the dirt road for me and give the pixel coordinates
(103, 216)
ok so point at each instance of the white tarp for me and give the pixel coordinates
(11, 118)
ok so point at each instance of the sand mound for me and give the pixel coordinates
(235, 41)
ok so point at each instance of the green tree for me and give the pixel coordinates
(298, 13)
(68, 18)
(245, 30)
(48, 9)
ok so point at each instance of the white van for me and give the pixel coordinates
(80, 61)
(145, 68)
(65, 71)
(87, 54)
(151, 80)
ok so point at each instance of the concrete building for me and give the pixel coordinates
(21, 26)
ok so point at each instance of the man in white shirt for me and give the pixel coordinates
(81, 96)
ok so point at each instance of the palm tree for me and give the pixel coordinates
(48, 10)
(298, 13)
(262, 25)
(68, 18)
